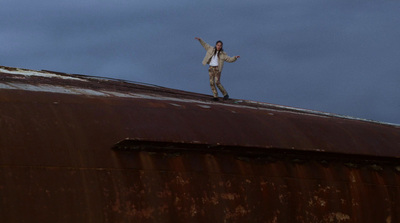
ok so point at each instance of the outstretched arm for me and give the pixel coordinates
(231, 59)
(204, 44)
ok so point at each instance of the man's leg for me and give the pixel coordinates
(212, 72)
(219, 85)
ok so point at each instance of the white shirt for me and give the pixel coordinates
(214, 60)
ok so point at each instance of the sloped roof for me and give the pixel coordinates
(160, 114)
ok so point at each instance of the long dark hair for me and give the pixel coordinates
(215, 47)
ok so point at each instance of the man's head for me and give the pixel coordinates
(218, 45)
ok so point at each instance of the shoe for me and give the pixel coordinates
(215, 99)
(226, 97)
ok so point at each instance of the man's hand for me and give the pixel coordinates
(197, 38)
(237, 57)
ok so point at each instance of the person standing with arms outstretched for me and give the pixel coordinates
(215, 57)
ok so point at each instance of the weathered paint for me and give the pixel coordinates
(75, 148)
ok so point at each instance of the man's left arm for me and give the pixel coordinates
(231, 59)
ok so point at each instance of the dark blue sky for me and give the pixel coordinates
(339, 56)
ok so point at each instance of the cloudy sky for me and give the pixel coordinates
(336, 56)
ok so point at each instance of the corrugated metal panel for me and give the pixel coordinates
(86, 149)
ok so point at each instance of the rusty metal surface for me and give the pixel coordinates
(86, 149)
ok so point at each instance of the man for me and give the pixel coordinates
(215, 57)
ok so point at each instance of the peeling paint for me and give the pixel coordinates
(176, 105)
(37, 73)
(229, 196)
(204, 106)
(338, 217)
(376, 167)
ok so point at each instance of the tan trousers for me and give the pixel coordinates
(215, 77)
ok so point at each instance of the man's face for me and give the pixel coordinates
(219, 46)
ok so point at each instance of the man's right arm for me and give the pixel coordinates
(204, 44)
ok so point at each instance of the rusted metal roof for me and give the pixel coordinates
(196, 119)
(89, 149)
